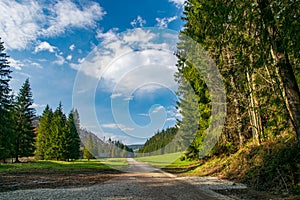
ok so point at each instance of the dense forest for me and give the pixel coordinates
(157, 144)
(57, 136)
(254, 45)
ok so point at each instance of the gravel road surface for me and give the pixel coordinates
(141, 181)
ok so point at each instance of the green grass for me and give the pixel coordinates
(115, 163)
(62, 165)
(166, 161)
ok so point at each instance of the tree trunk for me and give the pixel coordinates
(290, 89)
(254, 118)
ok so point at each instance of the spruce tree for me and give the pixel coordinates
(88, 148)
(24, 115)
(73, 136)
(5, 115)
(57, 139)
(43, 134)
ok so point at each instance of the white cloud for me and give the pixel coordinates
(18, 65)
(130, 60)
(115, 95)
(45, 46)
(117, 126)
(15, 63)
(69, 57)
(179, 3)
(23, 21)
(72, 47)
(68, 14)
(138, 22)
(19, 22)
(35, 105)
(157, 109)
(60, 59)
(164, 22)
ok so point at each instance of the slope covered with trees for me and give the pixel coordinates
(97, 148)
(157, 144)
(254, 45)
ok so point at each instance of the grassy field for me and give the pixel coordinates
(166, 161)
(103, 164)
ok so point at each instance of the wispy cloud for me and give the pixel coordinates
(44, 46)
(164, 22)
(69, 57)
(23, 21)
(157, 109)
(18, 64)
(138, 22)
(115, 95)
(72, 47)
(117, 126)
(178, 3)
(127, 61)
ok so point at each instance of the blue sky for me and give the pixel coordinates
(112, 60)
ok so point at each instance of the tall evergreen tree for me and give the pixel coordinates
(57, 150)
(88, 148)
(23, 117)
(73, 135)
(5, 103)
(43, 134)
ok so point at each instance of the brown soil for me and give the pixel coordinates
(41, 178)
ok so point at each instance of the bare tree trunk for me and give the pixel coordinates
(290, 89)
(254, 116)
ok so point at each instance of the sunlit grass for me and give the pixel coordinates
(55, 165)
(116, 163)
(166, 160)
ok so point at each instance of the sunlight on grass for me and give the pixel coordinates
(55, 165)
(166, 160)
(116, 163)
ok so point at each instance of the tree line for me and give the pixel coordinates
(56, 136)
(255, 47)
(16, 115)
(158, 144)
(97, 148)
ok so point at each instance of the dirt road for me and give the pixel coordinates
(141, 181)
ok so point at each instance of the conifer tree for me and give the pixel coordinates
(43, 134)
(5, 103)
(23, 117)
(88, 148)
(57, 149)
(73, 136)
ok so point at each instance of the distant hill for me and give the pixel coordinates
(99, 148)
(135, 147)
(159, 141)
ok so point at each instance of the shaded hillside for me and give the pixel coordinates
(99, 148)
(159, 142)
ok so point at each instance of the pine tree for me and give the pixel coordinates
(23, 116)
(43, 134)
(5, 103)
(88, 148)
(73, 136)
(57, 150)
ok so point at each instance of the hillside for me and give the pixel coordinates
(159, 142)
